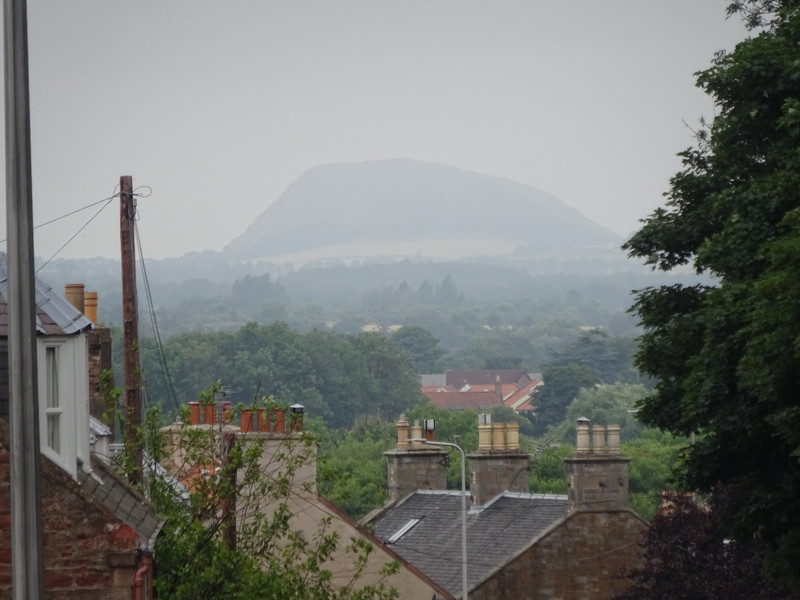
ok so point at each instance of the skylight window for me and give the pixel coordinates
(402, 531)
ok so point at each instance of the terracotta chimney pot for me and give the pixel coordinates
(498, 436)
(583, 436)
(484, 432)
(90, 306)
(402, 432)
(194, 413)
(512, 436)
(613, 439)
(416, 433)
(598, 439)
(73, 292)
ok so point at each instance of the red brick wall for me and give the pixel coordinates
(581, 560)
(88, 553)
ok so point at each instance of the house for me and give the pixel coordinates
(99, 533)
(285, 452)
(457, 379)
(482, 389)
(519, 545)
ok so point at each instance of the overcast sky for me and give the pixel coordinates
(219, 105)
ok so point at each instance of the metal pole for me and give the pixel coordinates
(463, 510)
(27, 567)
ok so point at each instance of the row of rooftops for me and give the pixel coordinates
(482, 389)
(422, 520)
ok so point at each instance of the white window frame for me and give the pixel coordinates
(72, 372)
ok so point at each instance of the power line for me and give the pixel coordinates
(162, 357)
(85, 225)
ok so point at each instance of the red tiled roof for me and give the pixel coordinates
(438, 388)
(521, 399)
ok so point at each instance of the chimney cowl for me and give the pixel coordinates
(429, 426)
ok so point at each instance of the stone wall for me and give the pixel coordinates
(581, 558)
(88, 553)
(597, 482)
(495, 473)
(411, 470)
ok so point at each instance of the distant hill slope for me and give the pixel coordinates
(410, 208)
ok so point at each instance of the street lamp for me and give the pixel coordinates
(463, 510)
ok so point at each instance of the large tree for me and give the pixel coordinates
(726, 353)
(685, 555)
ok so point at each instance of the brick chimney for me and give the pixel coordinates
(597, 474)
(498, 465)
(412, 465)
(99, 346)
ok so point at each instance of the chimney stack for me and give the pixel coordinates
(498, 465)
(597, 476)
(413, 465)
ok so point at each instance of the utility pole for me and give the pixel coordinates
(130, 320)
(27, 565)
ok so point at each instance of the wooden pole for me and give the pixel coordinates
(27, 565)
(130, 321)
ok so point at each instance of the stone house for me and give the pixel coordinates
(98, 533)
(519, 545)
(282, 445)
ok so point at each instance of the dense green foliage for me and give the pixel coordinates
(335, 376)
(726, 356)
(654, 456)
(423, 348)
(593, 357)
(605, 404)
(562, 383)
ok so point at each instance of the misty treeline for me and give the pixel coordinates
(344, 361)
(201, 292)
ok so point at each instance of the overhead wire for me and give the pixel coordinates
(104, 201)
(162, 357)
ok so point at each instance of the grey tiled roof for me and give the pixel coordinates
(54, 315)
(496, 532)
(122, 500)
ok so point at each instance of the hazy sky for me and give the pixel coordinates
(219, 105)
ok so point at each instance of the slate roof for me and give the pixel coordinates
(496, 532)
(125, 503)
(487, 376)
(54, 315)
(432, 379)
